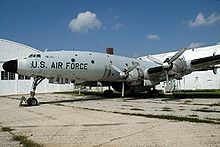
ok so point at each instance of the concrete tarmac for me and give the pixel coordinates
(63, 120)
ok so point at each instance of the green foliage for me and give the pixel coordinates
(203, 93)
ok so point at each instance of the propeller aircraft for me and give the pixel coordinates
(123, 74)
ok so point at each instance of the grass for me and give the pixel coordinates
(137, 109)
(114, 95)
(203, 93)
(22, 139)
(25, 141)
(217, 119)
(6, 129)
(166, 109)
(83, 93)
(170, 117)
(206, 110)
(193, 115)
(215, 104)
(167, 117)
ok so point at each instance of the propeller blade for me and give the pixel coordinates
(132, 67)
(117, 69)
(125, 74)
(123, 89)
(177, 55)
(155, 60)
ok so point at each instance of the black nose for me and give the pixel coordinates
(11, 66)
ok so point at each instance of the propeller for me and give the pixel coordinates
(167, 64)
(125, 74)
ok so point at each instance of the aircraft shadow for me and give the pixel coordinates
(89, 98)
(98, 96)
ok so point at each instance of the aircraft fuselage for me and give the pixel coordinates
(81, 66)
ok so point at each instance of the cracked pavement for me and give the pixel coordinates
(67, 120)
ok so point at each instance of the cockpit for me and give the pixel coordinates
(34, 55)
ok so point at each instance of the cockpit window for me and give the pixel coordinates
(34, 55)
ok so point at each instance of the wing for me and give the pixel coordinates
(207, 63)
(201, 64)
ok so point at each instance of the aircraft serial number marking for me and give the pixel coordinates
(60, 65)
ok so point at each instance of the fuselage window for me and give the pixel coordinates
(92, 61)
(126, 64)
(73, 60)
(76, 55)
(38, 55)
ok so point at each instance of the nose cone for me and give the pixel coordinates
(11, 66)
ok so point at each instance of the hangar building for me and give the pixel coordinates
(11, 83)
(195, 80)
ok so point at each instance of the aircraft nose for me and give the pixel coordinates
(11, 66)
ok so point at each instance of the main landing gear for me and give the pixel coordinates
(108, 92)
(32, 101)
(153, 93)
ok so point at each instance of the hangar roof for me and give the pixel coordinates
(13, 50)
(190, 54)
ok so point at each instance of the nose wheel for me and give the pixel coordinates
(32, 101)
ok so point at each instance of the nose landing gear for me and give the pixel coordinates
(32, 101)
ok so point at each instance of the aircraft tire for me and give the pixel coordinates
(32, 102)
(108, 92)
(153, 93)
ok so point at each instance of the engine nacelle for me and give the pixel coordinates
(136, 76)
(180, 68)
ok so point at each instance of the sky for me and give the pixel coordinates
(132, 27)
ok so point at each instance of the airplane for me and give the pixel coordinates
(123, 74)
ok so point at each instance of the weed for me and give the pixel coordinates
(215, 104)
(21, 138)
(137, 109)
(168, 117)
(59, 104)
(166, 109)
(206, 110)
(193, 115)
(26, 142)
(217, 119)
(6, 129)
